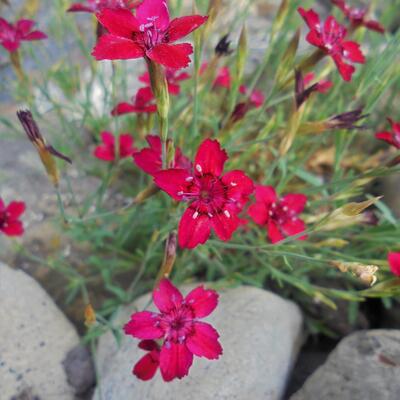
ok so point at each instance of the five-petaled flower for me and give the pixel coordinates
(174, 77)
(330, 38)
(358, 17)
(107, 151)
(94, 6)
(177, 325)
(149, 34)
(142, 102)
(149, 159)
(278, 215)
(12, 35)
(214, 200)
(393, 137)
(394, 263)
(10, 224)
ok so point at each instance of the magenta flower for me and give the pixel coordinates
(394, 262)
(10, 224)
(107, 151)
(94, 6)
(256, 98)
(174, 77)
(149, 159)
(214, 200)
(330, 39)
(12, 35)
(149, 34)
(177, 325)
(142, 102)
(278, 215)
(358, 17)
(393, 137)
(323, 86)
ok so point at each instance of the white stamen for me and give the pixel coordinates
(273, 205)
(227, 214)
(210, 215)
(328, 46)
(285, 208)
(180, 193)
(233, 184)
(346, 53)
(198, 168)
(270, 213)
(189, 179)
(195, 215)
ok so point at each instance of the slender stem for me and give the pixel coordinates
(61, 205)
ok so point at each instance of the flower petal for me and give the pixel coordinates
(144, 325)
(202, 301)
(353, 52)
(154, 10)
(35, 35)
(118, 21)
(240, 187)
(171, 56)
(259, 213)
(310, 17)
(295, 202)
(148, 161)
(147, 366)
(78, 7)
(374, 26)
(194, 229)
(266, 194)
(111, 47)
(175, 361)
(180, 27)
(225, 224)
(386, 136)
(394, 262)
(24, 26)
(210, 158)
(16, 209)
(204, 341)
(126, 145)
(274, 233)
(12, 228)
(166, 296)
(293, 227)
(345, 70)
(172, 181)
(123, 108)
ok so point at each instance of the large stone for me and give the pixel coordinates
(260, 333)
(364, 366)
(35, 339)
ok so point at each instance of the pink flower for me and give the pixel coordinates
(10, 224)
(394, 262)
(107, 152)
(323, 86)
(278, 215)
(149, 34)
(393, 137)
(257, 97)
(147, 366)
(149, 159)
(12, 35)
(178, 326)
(214, 200)
(174, 77)
(94, 6)
(142, 102)
(330, 39)
(358, 16)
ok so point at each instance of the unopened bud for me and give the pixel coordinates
(46, 152)
(90, 316)
(223, 47)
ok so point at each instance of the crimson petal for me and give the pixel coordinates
(144, 325)
(111, 47)
(210, 158)
(171, 56)
(175, 361)
(180, 27)
(194, 229)
(202, 301)
(166, 296)
(204, 341)
(119, 22)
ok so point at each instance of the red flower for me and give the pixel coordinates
(12, 35)
(147, 366)
(214, 200)
(149, 34)
(142, 102)
(394, 262)
(173, 78)
(323, 86)
(178, 325)
(106, 151)
(257, 97)
(10, 224)
(94, 6)
(393, 137)
(330, 39)
(149, 159)
(358, 16)
(278, 215)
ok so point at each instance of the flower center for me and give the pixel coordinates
(281, 213)
(177, 324)
(150, 35)
(3, 218)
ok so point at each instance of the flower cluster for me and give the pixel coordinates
(177, 329)
(10, 223)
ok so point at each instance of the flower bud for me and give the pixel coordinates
(365, 273)
(90, 316)
(223, 47)
(46, 152)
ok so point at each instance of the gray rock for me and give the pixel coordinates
(35, 338)
(364, 366)
(260, 333)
